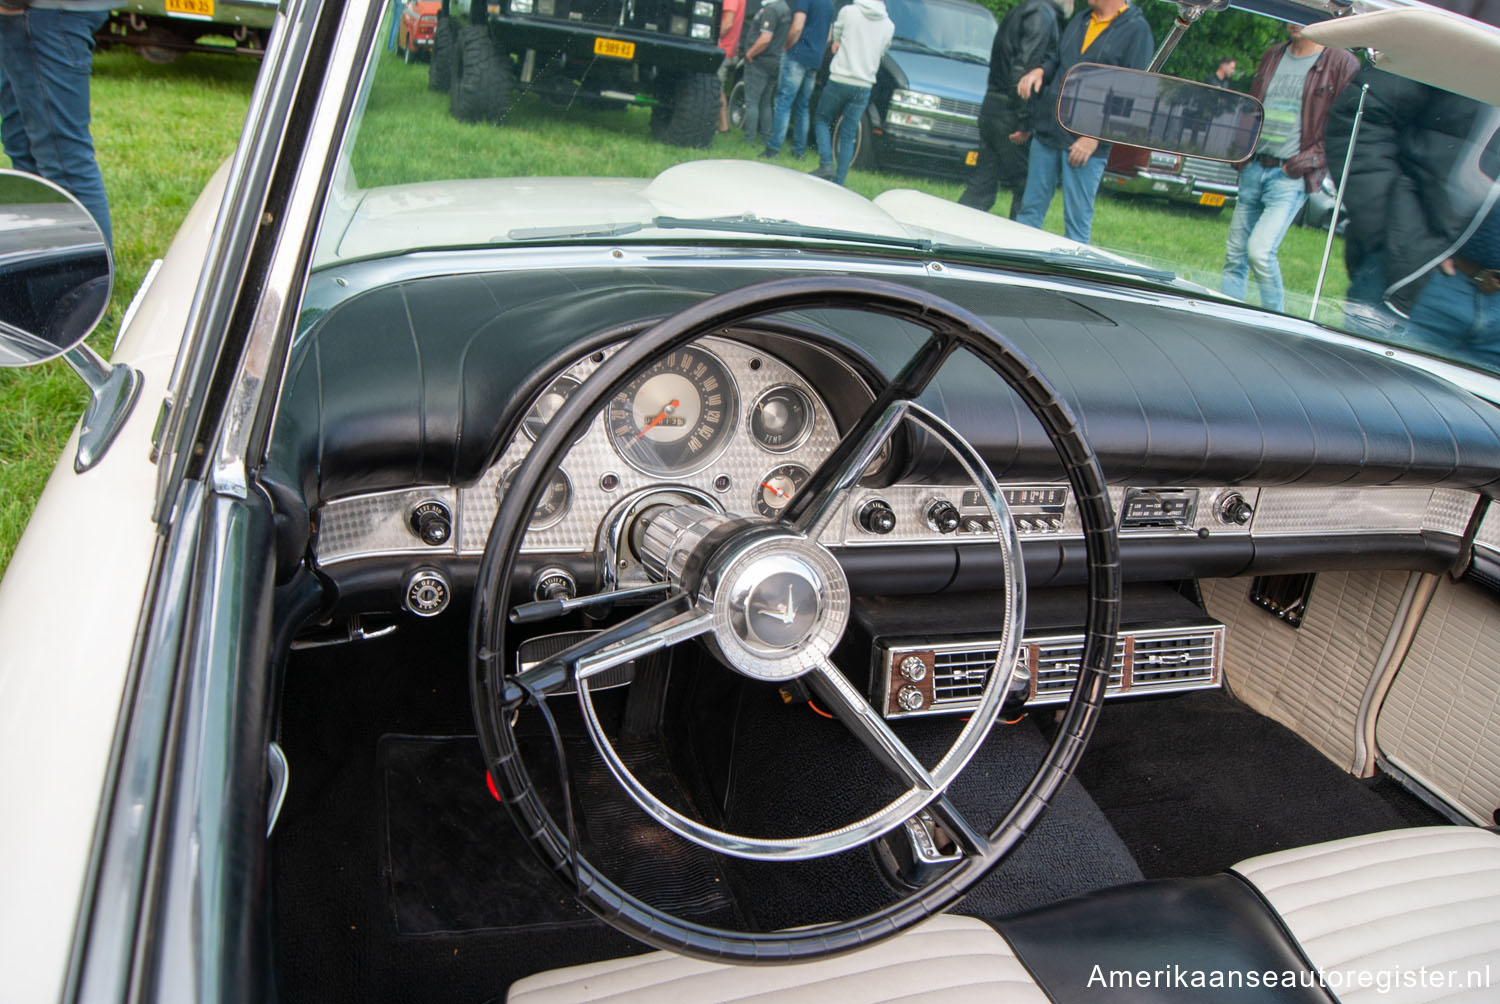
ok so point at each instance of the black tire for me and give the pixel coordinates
(440, 66)
(405, 53)
(688, 113)
(483, 77)
(737, 105)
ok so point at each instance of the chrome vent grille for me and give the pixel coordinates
(1171, 659)
(1058, 661)
(1146, 660)
(959, 675)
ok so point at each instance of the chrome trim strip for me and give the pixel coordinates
(135, 301)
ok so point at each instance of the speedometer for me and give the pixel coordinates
(676, 416)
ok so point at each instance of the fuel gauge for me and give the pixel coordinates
(776, 489)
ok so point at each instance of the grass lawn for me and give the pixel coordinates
(162, 130)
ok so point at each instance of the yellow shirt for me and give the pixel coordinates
(1096, 27)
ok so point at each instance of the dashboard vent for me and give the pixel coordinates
(1166, 660)
(1057, 662)
(927, 677)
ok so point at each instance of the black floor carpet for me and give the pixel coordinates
(1197, 782)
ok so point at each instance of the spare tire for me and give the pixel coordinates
(483, 77)
(440, 69)
(687, 111)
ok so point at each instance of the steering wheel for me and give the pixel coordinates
(773, 603)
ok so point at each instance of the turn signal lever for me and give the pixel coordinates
(556, 606)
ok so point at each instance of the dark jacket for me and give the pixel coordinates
(1332, 71)
(1405, 204)
(1126, 42)
(1027, 38)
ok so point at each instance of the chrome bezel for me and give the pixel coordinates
(731, 425)
(807, 426)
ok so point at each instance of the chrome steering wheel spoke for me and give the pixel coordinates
(849, 706)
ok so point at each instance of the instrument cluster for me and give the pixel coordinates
(727, 421)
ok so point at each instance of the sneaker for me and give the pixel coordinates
(825, 171)
(769, 154)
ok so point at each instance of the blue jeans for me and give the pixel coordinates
(1454, 319)
(1045, 167)
(760, 93)
(45, 60)
(793, 95)
(1267, 202)
(850, 102)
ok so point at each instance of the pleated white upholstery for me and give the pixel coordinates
(1401, 906)
(957, 960)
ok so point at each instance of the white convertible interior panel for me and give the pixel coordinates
(1436, 723)
(1405, 901)
(959, 959)
(1310, 679)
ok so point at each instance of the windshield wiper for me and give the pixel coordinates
(565, 233)
(749, 224)
(916, 45)
(1079, 258)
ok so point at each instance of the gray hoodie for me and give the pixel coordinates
(862, 32)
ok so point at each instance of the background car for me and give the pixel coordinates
(1195, 181)
(161, 30)
(418, 24)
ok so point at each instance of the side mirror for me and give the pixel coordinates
(1160, 113)
(55, 271)
(56, 274)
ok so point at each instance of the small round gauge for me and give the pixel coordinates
(781, 419)
(547, 405)
(676, 416)
(777, 488)
(553, 504)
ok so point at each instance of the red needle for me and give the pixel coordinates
(772, 488)
(660, 417)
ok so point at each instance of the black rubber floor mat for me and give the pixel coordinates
(1198, 782)
(455, 862)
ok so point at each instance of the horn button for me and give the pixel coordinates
(780, 604)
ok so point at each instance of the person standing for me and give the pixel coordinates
(731, 22)
(1423, 242)
(806, 38)
(1026, 39)
(762, 67)
(1222, 73)
(46, 56)
(1112, 33)
(1297, 81)
(861, 35)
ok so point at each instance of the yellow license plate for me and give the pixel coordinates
(614, 47)
(971, 158)
(192, 8)
(1210, 199)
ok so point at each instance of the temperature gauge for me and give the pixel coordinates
(553, 398)
(781, 419)
(776, 489)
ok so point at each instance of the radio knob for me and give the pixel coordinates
(876, 516)
(914, 669)
(1234, 509)
(432, 522)
(909, 698)
(943, 516)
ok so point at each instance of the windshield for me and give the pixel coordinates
(798, 123)
(964, 30)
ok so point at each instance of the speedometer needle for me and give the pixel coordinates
(660, 417)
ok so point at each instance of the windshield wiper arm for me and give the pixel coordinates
(564, 233)
(786, 228)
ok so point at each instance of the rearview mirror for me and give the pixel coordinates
(1160, 113)
(55, 271)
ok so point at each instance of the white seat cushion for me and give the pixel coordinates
(955, 959)
(1395, 906)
